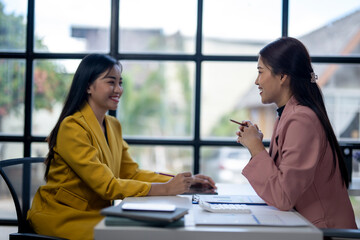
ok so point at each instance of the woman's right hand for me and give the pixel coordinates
(180, 183)
(177, 185)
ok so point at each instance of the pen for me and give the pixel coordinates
(165, 174)
(242, 124)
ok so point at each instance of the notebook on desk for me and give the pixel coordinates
(150, 216)
(120, 221)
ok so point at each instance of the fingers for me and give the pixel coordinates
(184, 179)
(257, 127)
(187, 178)
(186, 174)
(247, 123)
(203, 179)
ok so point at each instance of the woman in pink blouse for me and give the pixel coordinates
(304, 168)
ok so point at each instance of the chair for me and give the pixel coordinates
(23, 187)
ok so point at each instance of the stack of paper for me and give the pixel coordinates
(120, 221)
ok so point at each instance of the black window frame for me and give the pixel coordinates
(30, 56)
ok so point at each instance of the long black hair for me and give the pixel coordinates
(290, 57)
(90, 68)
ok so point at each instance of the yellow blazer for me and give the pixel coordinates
(86, 174)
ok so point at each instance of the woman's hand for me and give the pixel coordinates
(251, 137)
(177, 185)
(204, 180)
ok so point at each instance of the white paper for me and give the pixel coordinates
(243, 199)
(260, 216)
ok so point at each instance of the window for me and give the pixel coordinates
(158, 99)
(189, 66)
(12, 76)
(232, 27)
(330, 30)
(157, 26)
(72, 26)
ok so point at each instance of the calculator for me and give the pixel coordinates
(224, 208)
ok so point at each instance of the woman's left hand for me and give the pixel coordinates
(204, 180)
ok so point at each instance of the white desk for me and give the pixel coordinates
(190, 231)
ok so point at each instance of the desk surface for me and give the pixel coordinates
(190, 231)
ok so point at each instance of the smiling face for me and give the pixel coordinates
(105, 92)
(273, 88)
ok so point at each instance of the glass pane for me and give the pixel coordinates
(12, 84)
(11, 150)
(39, 149)
(15, 173)
(330, 30)
(158, 26)
(356, 164)
(355, 201)
(235, 27)
(224, 164)
(52, 80)
(7, 207)
(236, 81)
(165, 159)
(341, 89)
(158, 99)
(37, 178)
(13, 21)
(72, 26)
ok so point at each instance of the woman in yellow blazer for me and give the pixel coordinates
(88, 164)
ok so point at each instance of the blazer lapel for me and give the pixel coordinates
(97, 132)
(273, 142)
(113, 145)
(274, 150)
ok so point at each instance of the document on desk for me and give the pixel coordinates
(234, 199)
(260, 216)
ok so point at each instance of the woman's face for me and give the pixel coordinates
(270, 85)
(105, 91)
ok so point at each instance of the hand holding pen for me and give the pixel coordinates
(241, 127)
(250, 136)
(239, 123)
(178, 184)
